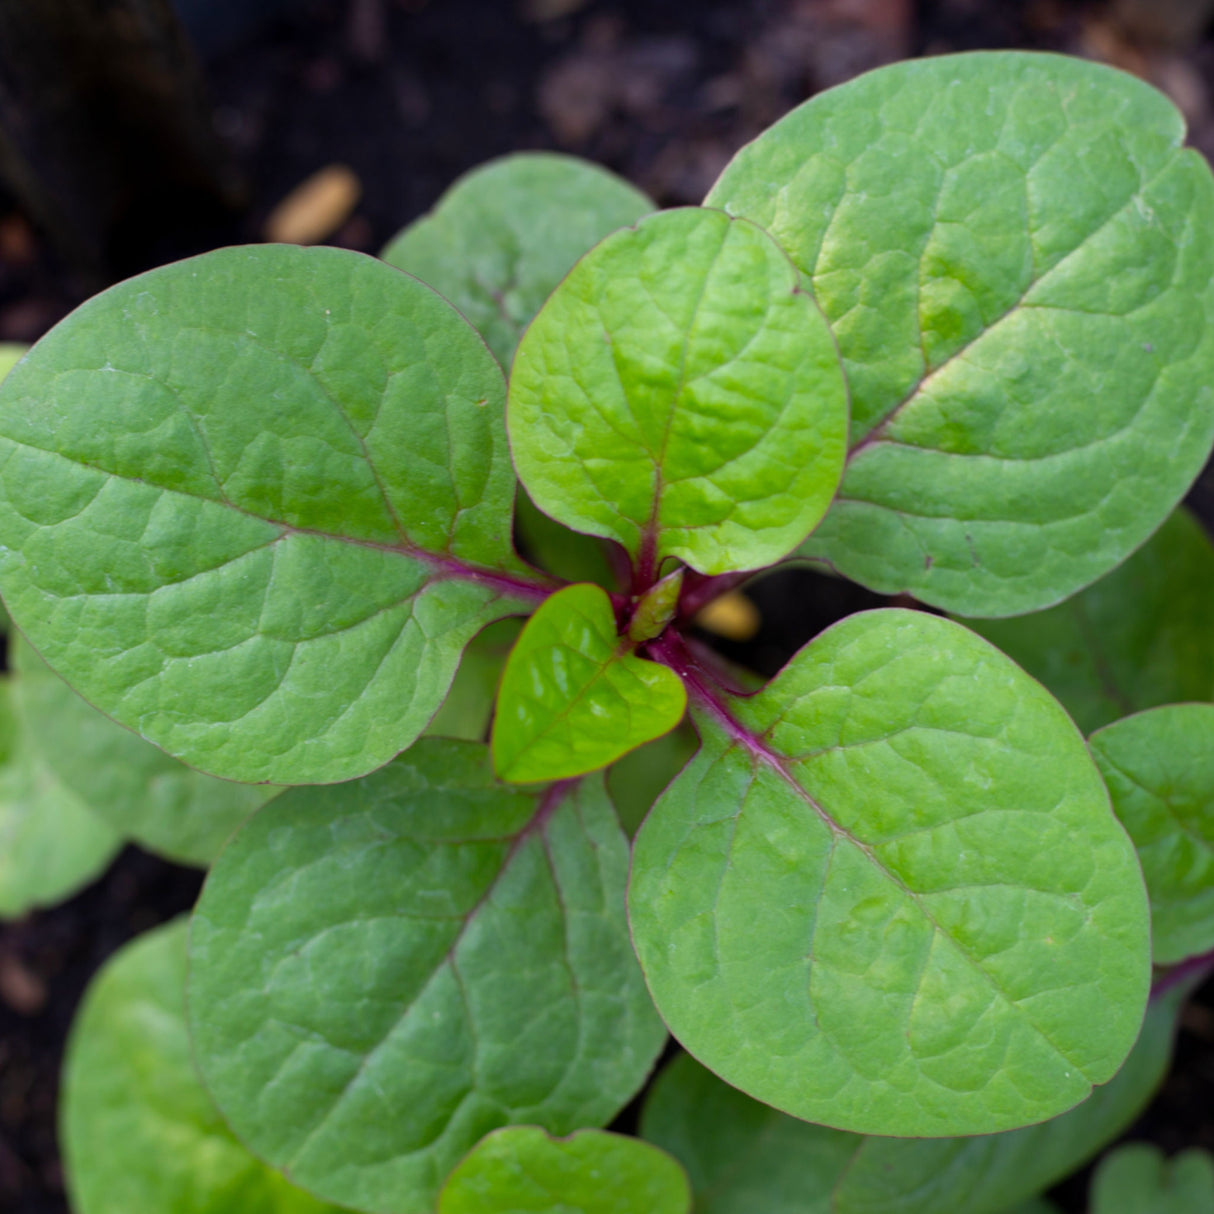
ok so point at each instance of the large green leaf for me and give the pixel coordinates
(1136, 1179)
(1159, 766)
(680, 393)
(574, 696)
(383, 972)
(503, 236)
(140, 791)
(255, 503)
(138, 1132)
(1138, 638)
(889, 894)
(522, 1170)
(1016, 256)
(744, 1157)
(10, 355)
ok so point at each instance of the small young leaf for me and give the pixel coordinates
(1138, 638)
(522, 1170)
(743, 1156)
(140, 791)
(254, 505)
(468, 708)
(1159, 766)
(1015, 254)
(139, 1133)
(889, 894)
(574, 697)
(656, 608)
(1136, 1179)
(503, 236)
(383, 972)
(680, 393)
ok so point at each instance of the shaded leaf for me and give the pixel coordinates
(574, 696)
(1136, 1179)
(679, 393)
(254, 505)
(524, 1171)
(1015, 254)
(557, 550)
(468, 708)
(383, 972)
(889, 894)
(637, 780)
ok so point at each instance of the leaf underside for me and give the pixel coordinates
(889, 894)
(1016, 257)
(254, 504)
(384, 972)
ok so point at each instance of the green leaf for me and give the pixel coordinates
(10, 356)
(743, 1156)
(566, 554)
(383, 972)
(51, 844)
(680, 393)
(656, 608)
(503, 236)
(1159, 766)
(574, 697)
(524, 1171)
(468, 708)
(1138, 638)
(637, 780)
(138, 1131)
(255, 503)
(1015, 254)
(1136, 1179)
(141, 792)
(889, 894)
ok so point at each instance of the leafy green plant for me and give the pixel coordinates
(943, 331)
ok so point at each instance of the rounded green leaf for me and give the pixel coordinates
(255, 503)
(743, 1156)
(889, 894)
(1159, 766)
(524, 1171)
(503, 236)
(1016, 256)
(1136, 1179)
(680, 393)
(1138, 638)
(383, 972)
(574, 696)
(136, 788)
(138, 1132)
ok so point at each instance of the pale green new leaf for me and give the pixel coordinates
(139, 1133)
(574, 696)
(743, 1156)
(1016, 256)
(1138, 638)
(254, 504)
(1136, 1179)
(142, 793)
(681, 394)
(523, 1171)
(503, 236)
(889, 894)
(1159, 766)
(383, 972)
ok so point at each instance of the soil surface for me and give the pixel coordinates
(409, 94)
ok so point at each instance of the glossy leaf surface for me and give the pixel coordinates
(681, 394)
(574, 696)
(503, 236)
(254, 505)
(383, 972)
(889, 894)
(743, 1156)
(523, 1171)
(138, 1131)
(1136, 1179)
(1159, 766)
(142, 793)
(1138, 638)
(1014, 253)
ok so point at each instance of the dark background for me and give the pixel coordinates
(408, 94)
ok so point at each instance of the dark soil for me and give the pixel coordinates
(409, 94)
